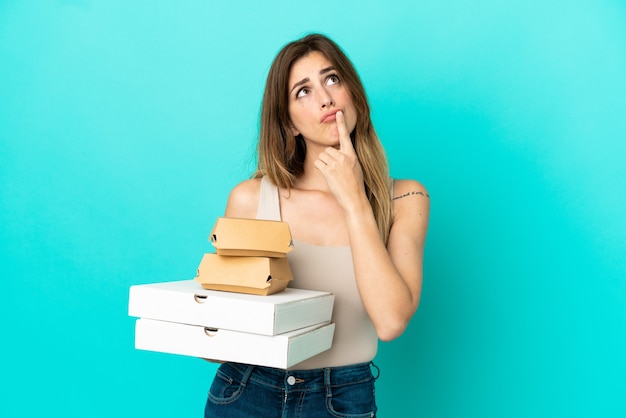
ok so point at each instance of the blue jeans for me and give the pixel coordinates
(244, 391)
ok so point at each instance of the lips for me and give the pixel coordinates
(329, 116)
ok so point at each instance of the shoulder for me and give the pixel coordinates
(407, 190)
(243, 200)
(411, 206)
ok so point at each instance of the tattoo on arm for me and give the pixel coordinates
(410, 194)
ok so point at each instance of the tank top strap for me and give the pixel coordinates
(269, 201)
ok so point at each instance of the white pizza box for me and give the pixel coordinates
(186, 302)
(281, 351)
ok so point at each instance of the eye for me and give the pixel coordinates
(332, 79)
(302, 92)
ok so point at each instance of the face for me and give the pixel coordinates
(316, 93)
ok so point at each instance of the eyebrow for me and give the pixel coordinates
(306, 80)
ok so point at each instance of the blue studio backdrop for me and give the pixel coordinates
(123, 126)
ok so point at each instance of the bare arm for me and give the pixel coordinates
(389, 278)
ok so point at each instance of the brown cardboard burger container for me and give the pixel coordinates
(253, 275)
(251, 237)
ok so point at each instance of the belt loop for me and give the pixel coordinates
(246, 375)
(377, 370)
(327, 381)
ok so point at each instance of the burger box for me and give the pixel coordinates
(280, 351)
(253, 275)
(251, 237)
(187, 302)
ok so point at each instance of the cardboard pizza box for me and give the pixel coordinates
(280, 351)
(186, 302)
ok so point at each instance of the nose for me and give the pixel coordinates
(327, 101)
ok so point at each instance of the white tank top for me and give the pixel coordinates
(327, 269)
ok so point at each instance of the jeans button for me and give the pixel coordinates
(291, 380)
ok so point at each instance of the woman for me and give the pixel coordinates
(357, 234)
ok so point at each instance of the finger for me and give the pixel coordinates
(320, 165)
(345, 143)
(333, 157)
(330, 153)
(324, 157)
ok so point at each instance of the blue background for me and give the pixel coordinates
(123, 125)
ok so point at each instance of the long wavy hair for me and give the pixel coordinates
(281, 155)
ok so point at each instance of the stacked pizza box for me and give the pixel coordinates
(238, 307)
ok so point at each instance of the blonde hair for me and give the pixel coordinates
(281, 155)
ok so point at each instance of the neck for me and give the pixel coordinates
(312, 178)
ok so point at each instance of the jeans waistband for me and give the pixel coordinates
(311, 379)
